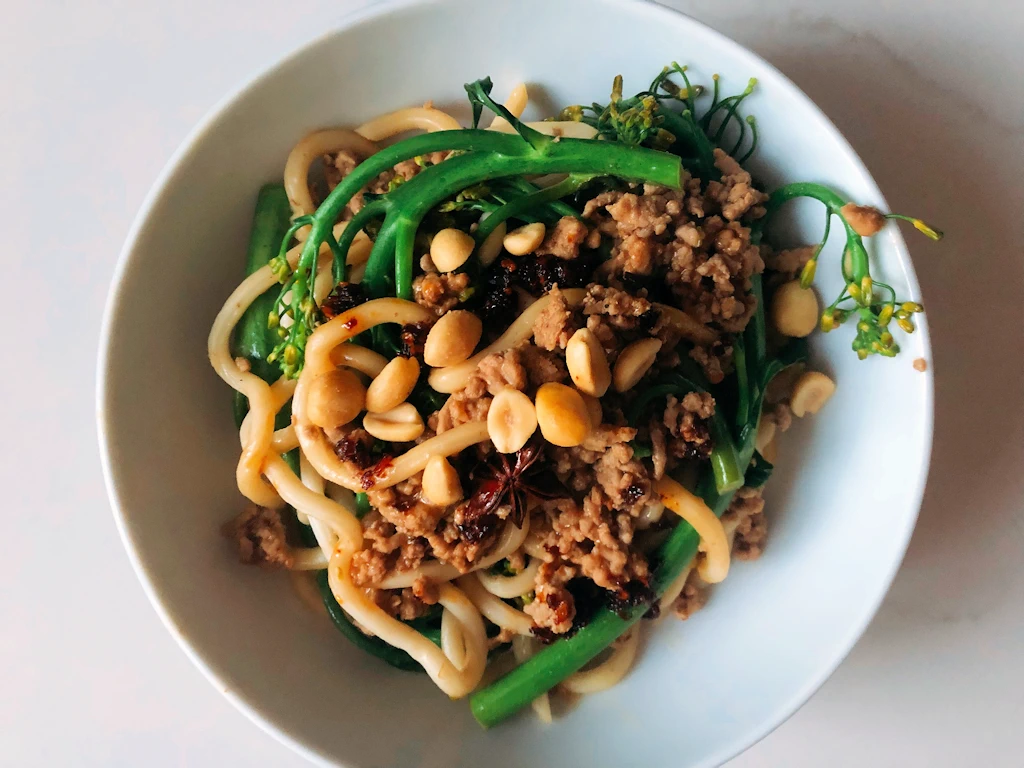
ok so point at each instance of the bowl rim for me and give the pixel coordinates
(126, 259)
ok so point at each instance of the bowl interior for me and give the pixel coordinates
(840, 510)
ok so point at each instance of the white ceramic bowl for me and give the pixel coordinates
(841, 508)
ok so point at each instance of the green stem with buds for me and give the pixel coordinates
(515, 208)
(873, 315)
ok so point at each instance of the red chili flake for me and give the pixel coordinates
(350, 323)
(355, 448)
(545, 635)
(370, 477)
(634, 594)
(633, 493)
(413, 338)
(341, 299)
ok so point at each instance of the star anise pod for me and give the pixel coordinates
(511, 480)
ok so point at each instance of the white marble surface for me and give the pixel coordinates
(94, 97)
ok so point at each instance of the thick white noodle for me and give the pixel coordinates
(453, 640)
(308, 559)
(258, 434)
(507, 587)
(499, 612)
(411, 119)
(675, 589)
(317, 144)
(714, 567)
(449, 678)
(609, 672)
(325, 536)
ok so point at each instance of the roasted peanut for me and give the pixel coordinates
(335, 398)
(525, 239)
(811, 391)
(452, 339)
(392, 385)
(587, 363)
(399, 425)
(511, 420)
(441, 484)
(490, 248)
(766, 429)
(594, 410)
(794, 310)
(633, 362)
(450, 249)
(562, 415)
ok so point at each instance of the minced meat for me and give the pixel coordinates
(555, 324)
(439, 292)
(692, 240)
(341, 164)
(746, 512)
(687, 423)
(261, 537)
(565, 239)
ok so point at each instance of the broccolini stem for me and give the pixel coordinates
(526, 188)
(527, 202)
(873, 314)
(372, 210)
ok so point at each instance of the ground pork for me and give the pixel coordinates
(692, 240)
(606, 457)
(408, 603)
(715, 359)
(341, 164)
(565, 239)
(403, 506)
(471, 403)
(734, 194)
(542, 366)
(687, 423)
(780, 415)
(617, 317)
(746, 512)
(552, 607)
(450, 545)
(403, 530)
(692, 598)
(385, 550)
(261, 537)
(439, 292)
(519, 368)
(555, 324)
(400, 603)
(595, 538)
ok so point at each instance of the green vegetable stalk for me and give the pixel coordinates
(871, 303)
(396, 657)
(252, 339)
